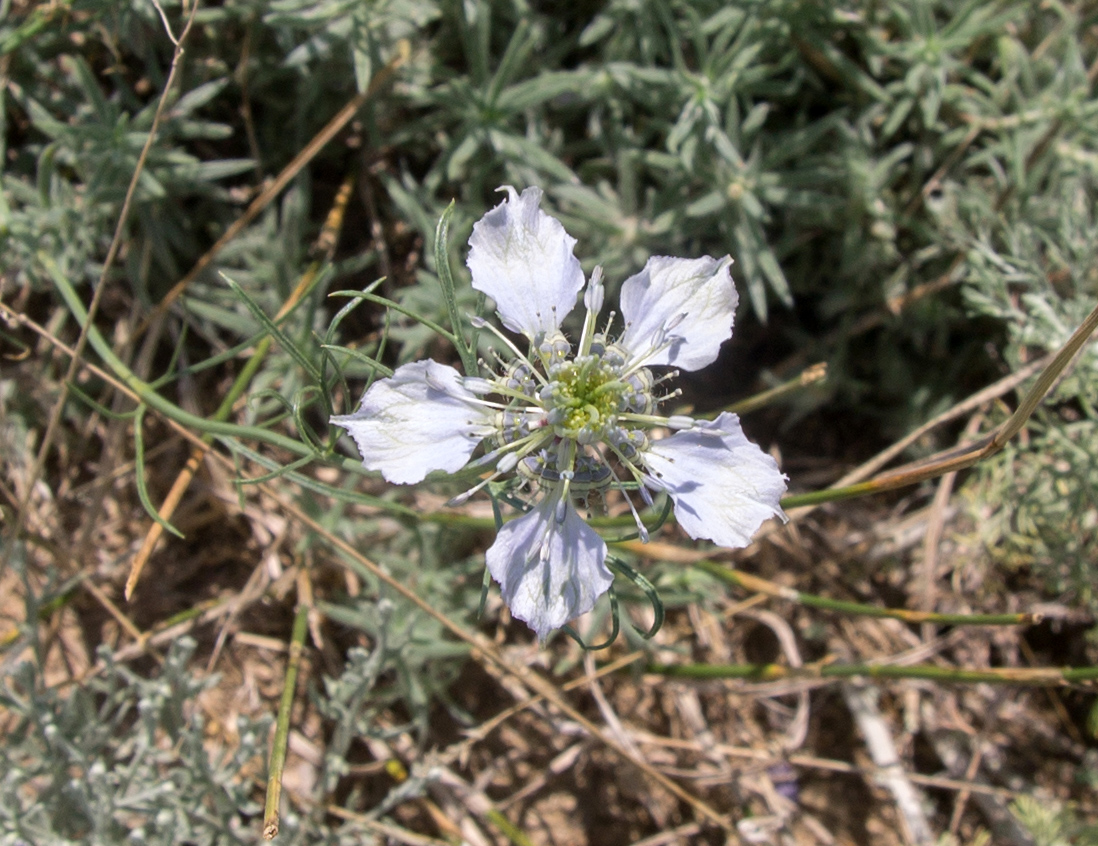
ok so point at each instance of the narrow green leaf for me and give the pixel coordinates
(395, 306)
(446, 280)
(295, 352)
(619, 566)
(139, 473)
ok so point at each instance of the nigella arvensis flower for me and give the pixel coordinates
(574, 420)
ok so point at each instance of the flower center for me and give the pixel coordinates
(583, 397)
(573, 422)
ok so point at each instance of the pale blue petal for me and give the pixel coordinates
(691, 302)
(522, 258)
(550, 571)
(723, 486)
(418, 420)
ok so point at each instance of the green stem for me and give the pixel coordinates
(810, 376)
(282, 730)
(757, 585)
(829, 495)
(1026, 676)
(395, 306)
(232, 433)
(144, 390)
(967, 455)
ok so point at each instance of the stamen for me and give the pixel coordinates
(477, 385)
(637, 363)
(510, 455)
(504, 391)
(675, 421)
(592, 298)
(464, 497)
(666, 377)
(553, 351)
(507, 392)
(642, 530)
(481, 323)
(637, 475)
(523, 446)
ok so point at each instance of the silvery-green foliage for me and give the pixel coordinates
(336, 30)
(1035, 506)
(83, 134)
(417, 661)
(1039, 274)
(804, 139)
(123, 758)
(1034, 269)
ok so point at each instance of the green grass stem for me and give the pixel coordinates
(857, 609)
(282, 728)
(1023, 676)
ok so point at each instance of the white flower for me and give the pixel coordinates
(419, 419)
(574, 420)
(550, 565)
(723, 486)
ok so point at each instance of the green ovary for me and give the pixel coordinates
(589, 395)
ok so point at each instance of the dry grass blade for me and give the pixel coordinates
(973, 403)
(966, 456)
(960, 458)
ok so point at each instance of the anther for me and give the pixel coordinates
(477, 385)
(674, 321)
(595, 294)
(433, 381)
